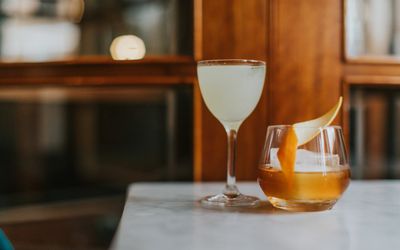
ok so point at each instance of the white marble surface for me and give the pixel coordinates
(168, 216)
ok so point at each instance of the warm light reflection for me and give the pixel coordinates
(127, 47)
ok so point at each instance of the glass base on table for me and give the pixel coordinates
(301, 205)
(223, 200)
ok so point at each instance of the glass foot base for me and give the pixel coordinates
(222, 200)
(302, 206)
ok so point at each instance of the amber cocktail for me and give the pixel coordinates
(319, 175)
(314, 190)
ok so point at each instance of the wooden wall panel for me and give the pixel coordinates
(307, 71)
(229, 29)
(305, 58)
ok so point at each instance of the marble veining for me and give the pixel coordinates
(169, 217)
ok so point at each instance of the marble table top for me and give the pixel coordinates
(168, 216)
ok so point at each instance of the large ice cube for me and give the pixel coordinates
(308, 161)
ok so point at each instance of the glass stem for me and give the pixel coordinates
(230, 188)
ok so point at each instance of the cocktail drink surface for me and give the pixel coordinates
(312, 190)
(231, 90)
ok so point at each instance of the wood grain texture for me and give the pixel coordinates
(100, 71)
(305, 51)
(345, 115)
(365, 70)
(303, 44)
(85, 70)
(198, 107)
(230, 29)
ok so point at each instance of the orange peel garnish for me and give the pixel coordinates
(287, 153)
(300, 134)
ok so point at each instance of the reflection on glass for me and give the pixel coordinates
(38, 39)
(66, 143)
(37, 30)
(374, 132)
(372, 28)
(71, 10)
(20, 8)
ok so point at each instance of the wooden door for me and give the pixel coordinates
(301, 42)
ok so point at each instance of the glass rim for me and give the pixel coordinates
(306, 127)
(250, 62)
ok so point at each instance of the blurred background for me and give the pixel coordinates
(98, 94)
(68, 153)
(373, 37)
(43, 30)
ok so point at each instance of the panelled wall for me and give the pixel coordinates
(229, 29)
(302, 44)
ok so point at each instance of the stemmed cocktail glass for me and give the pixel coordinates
(231, 90)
